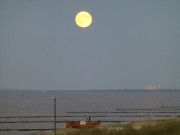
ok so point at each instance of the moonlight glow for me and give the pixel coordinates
(83, 19)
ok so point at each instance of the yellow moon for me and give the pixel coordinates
(83, 19)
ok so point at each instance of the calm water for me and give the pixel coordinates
(111, 107)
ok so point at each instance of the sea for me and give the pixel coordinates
(27, 112)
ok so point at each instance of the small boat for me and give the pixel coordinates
(82, 124)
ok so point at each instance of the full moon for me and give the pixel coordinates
(83, 19)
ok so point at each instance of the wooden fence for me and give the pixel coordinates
(117, 116)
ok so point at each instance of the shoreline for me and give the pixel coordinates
(134, 124)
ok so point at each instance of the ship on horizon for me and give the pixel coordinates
(152, 87)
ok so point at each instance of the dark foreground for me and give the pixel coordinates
(154, 127)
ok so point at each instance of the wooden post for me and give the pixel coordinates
(55, 116)
(54, 98)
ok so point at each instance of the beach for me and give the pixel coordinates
(135, 125)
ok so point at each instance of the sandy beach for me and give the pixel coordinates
(135, 124)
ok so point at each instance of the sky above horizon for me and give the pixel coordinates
(130, 44)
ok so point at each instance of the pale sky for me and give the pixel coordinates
(130, 44)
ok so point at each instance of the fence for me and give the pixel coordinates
(113, 117)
